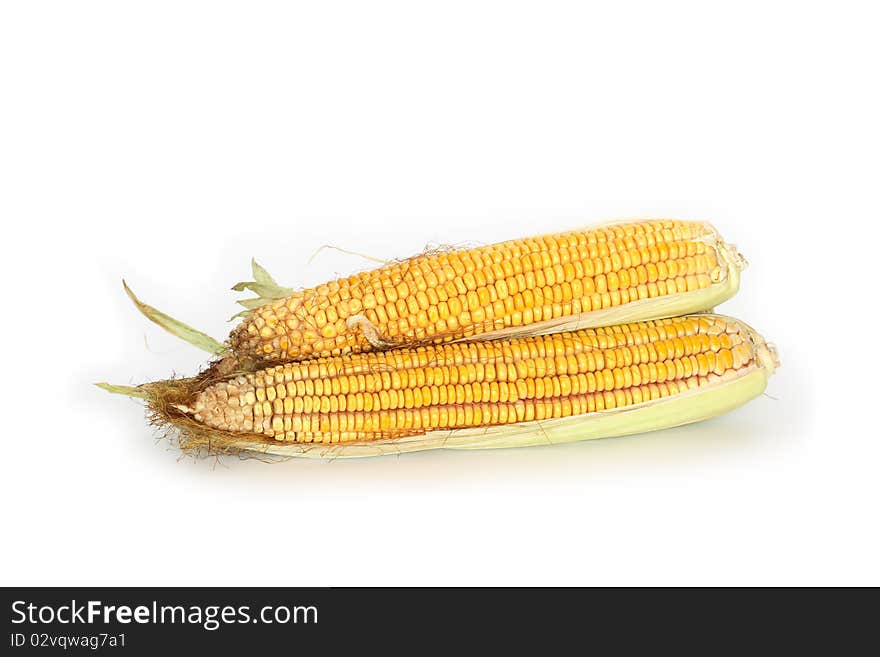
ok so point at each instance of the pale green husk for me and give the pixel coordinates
(264, 286)
(128, 391)
(183, 331)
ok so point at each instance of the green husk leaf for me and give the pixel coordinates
(263, 290)
(261, 275)
(175, 327)
(128, 391)
(264, 286)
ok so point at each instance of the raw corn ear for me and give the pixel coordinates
(521, 391)
(597, 276)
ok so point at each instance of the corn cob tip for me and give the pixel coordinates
(769, 356)
(734, 257)
(766, 353)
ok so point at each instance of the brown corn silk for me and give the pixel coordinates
(382, 397)
(543, 282)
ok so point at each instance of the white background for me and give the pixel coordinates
(168, 142)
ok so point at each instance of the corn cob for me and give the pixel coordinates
(593, 277)
(526, 390)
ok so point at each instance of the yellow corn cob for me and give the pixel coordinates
(597, 276)
(520, 391)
